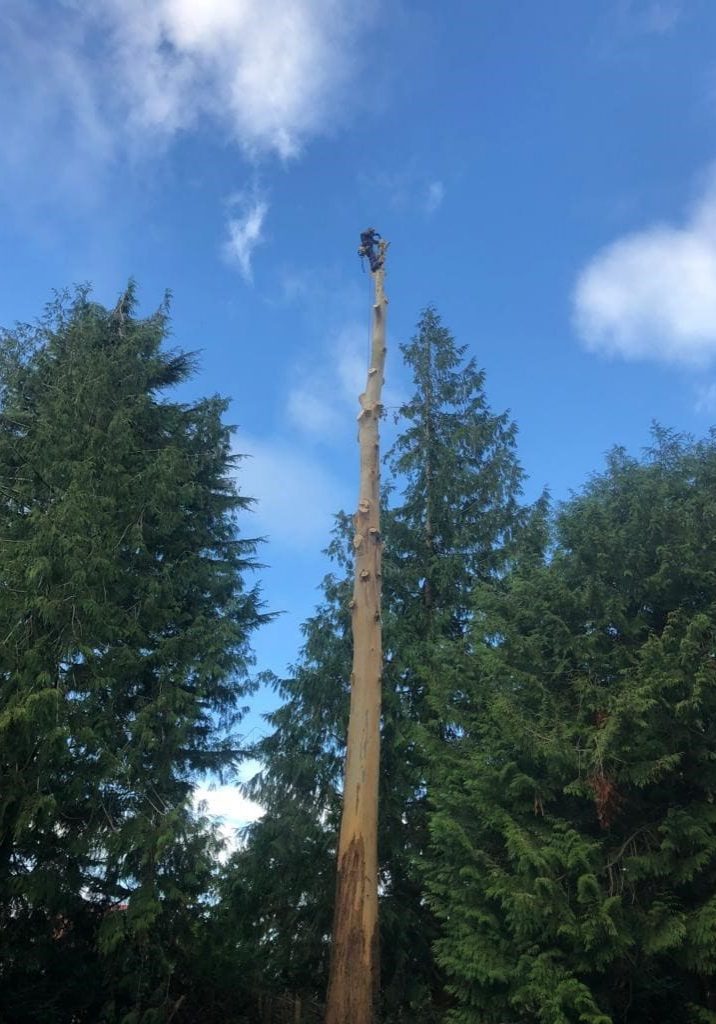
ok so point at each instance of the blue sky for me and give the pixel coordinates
(545, 172)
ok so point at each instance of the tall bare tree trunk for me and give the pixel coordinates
(354, 973)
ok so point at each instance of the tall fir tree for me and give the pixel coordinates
(125, 619)
(456, 479)
(573, 863)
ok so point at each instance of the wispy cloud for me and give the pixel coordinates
(350, 346)
(324, 409)
(629, 30)
(296, 473)
(311, 412)
(651, 17)
(296, 495)
(267, 69)
(84, 85)
(337, 376)
(245, 229)
(706, 399)
(435, 194)
(406, 189)
(652, 294)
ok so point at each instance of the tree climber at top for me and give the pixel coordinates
(370, 247)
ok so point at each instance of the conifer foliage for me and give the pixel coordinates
(454, 479)
(125, 619)
(456, 482)
(573, 862)
(547, 832)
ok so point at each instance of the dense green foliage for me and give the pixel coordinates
(455, 478)
(124, 625)
(548, 777)
(573, 863)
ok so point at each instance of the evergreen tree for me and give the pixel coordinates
(456, 479)
(278, 888)
(573, 863)
(125, 621)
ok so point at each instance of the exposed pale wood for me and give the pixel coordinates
(353, 982)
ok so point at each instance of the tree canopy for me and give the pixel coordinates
(454, 482)
(573, 859)
(125, 615)
(547, 834)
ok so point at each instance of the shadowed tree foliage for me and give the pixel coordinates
(455, 480)
(573, 862)
(547, 825)
(124, 628)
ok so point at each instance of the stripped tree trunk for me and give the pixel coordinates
(353, 980)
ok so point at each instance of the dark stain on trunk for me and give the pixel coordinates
(348, 1002)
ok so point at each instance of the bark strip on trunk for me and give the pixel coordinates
(353, 980)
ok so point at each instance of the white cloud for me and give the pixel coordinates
(336, 378)
(47, 99)
(293, 476)
(350, 346)
(651, 17)
(706, 399)
(434, 197)
(245, 232)
(227, 805)
(652, 294)
(296, 495)
(407, 189)
(83, 84)
(85, 87)
(265, 68)
(312, 413)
